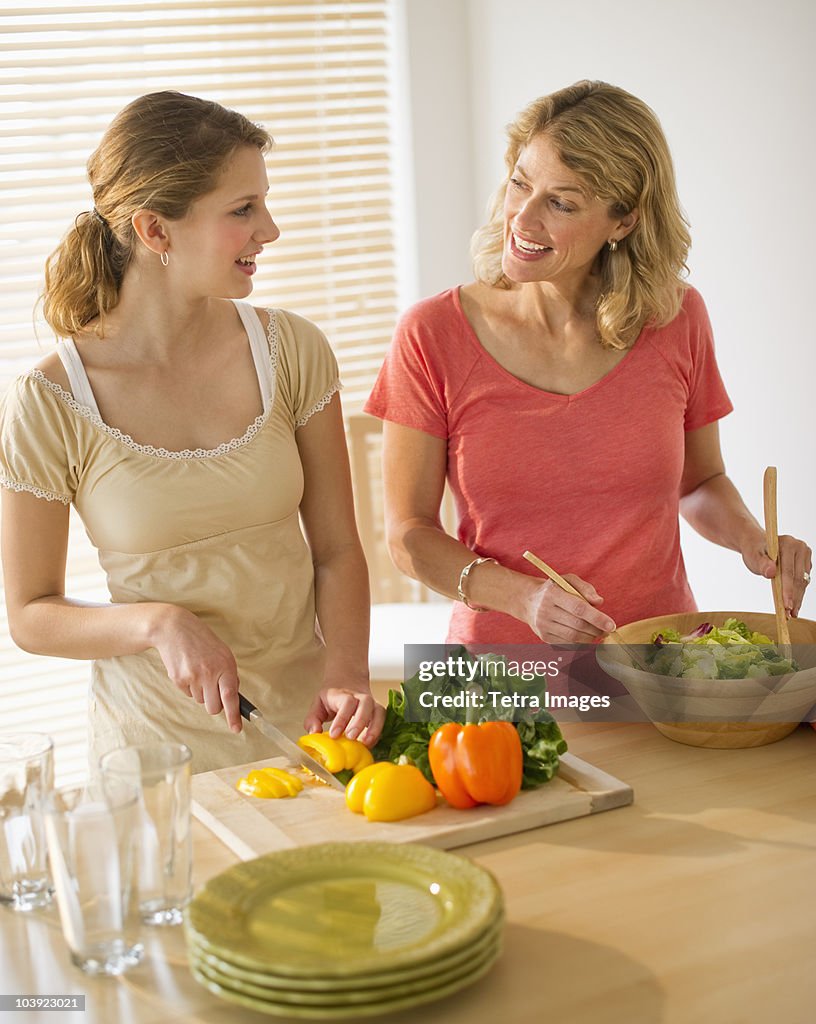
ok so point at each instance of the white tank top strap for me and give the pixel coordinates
(260, 351)
(77, 377)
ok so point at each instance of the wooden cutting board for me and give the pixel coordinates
(251, 827)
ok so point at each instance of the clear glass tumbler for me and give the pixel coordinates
(162, 772)
(93, 844)
(26, 779)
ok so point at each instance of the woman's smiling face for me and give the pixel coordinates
(554, 227)
(213, 248)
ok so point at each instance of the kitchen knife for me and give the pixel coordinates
(285, 745)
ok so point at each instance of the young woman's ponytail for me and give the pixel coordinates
(83, 275)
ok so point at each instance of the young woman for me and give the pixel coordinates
(192, 433)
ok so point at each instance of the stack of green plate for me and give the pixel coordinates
(344, 929)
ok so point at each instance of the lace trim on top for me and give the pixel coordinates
(164, 453)
(38, 492)
(324, 401)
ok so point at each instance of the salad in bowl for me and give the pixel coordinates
(717, 679)
(729, 651)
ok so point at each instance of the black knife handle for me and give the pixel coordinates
(245, 706)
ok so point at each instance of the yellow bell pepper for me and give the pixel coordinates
(390, 792)
(337, 755)
(270, 783)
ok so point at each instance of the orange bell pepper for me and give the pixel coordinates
(476, 764)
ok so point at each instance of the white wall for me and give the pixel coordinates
(434, 144)
(733, 84)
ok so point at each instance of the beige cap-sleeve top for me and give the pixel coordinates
(214, 531)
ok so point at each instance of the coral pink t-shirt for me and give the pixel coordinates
(590, 481)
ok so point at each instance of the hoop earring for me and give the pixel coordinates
(613, 245)
(165, 258)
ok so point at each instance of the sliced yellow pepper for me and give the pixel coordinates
(390, 792)
(269, 783)
(357, 754)
(337, 755)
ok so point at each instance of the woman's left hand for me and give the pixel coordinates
(353, 711)
(795, 563)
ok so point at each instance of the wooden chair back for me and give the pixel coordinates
(388, 584)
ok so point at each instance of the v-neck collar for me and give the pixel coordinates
(554, 396)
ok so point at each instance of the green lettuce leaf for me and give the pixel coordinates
(730, 651)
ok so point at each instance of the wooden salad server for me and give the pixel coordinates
(559, 581)
(772, 545)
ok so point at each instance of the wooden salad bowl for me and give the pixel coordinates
(718, 712)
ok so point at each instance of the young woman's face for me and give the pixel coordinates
(554, 227)
(213, 248)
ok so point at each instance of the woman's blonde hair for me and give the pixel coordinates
(162, 152)
(614, 142)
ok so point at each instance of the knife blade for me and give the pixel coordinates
(284, 744)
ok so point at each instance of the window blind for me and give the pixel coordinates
(317, 75)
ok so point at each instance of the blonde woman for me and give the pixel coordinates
(570, 394)
(192, 433)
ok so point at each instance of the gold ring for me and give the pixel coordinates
(806, 577)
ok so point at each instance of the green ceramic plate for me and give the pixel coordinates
(343, 909)
(278, 986)
(354, 997)
(341, 1010)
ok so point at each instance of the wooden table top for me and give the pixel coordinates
(693, 904)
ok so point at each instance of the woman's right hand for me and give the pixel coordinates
(558, 617)
(199, 664)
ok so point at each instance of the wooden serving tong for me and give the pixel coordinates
(559, 581)
(772, 546)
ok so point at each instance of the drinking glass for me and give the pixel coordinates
(162, 772)
(93, 845)
(26, 778)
